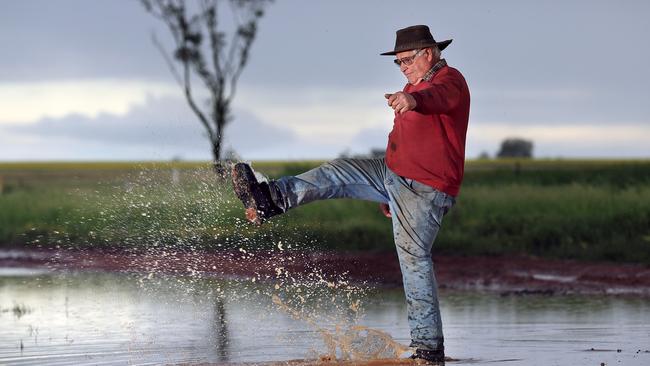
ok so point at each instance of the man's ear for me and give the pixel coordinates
(429, 52)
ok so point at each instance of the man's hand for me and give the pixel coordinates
(385, 209)
(401, 102)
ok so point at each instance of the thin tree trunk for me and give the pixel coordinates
(220, 164)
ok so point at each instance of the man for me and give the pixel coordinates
(416, 184)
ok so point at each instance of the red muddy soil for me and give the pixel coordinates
(327, 362)
(510, 275)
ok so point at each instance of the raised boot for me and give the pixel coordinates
(256, 196)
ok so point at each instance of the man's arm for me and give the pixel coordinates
(439, 98)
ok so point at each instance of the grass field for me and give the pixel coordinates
(596, 210)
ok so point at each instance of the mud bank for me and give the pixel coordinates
(506, 275)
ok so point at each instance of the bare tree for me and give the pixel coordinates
(202, 52)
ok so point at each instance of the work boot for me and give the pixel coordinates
(430, 357)
(256, 196)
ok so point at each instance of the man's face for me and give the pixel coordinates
(421, 64)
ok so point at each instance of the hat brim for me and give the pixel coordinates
(441, 46)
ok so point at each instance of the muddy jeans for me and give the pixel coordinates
(417, 212)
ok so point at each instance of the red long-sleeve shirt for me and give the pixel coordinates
(427, 144)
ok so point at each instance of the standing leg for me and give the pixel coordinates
(417, 212)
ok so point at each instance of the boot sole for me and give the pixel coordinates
(242, 175)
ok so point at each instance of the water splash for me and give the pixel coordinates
(180, 228)
(350, 342)
(343, 337)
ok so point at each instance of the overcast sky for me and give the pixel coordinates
(81, 80)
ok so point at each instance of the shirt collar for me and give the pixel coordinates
(439, 65)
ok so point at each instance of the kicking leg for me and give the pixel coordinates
(341, 178)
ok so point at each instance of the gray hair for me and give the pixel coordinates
(435, 51)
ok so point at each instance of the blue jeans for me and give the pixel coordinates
(417, 211)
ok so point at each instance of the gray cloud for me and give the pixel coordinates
(506, 45)
(522, 60)
(558, 107)
(367, 139)
(73, 39)
(163, 124)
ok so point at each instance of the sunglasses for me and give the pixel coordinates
(407, 60)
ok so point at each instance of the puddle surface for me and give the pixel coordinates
(88, 318)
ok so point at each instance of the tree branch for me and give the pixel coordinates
(227, 61)
(168, 60)
(216, 42)
(190, 101)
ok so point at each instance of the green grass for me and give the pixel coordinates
(615, 173)
(571, 221)
(595, 210)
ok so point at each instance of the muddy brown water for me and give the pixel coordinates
(108, 318)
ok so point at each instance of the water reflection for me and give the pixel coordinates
(220, 329)
(109, 318)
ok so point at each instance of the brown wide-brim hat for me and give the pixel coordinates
(414, 37)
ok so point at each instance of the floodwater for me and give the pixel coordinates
(99, 318)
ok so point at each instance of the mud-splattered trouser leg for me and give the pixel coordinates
(340, 178)
(417, 212)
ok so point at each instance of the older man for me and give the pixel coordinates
(416, 184)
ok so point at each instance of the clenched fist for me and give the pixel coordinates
(401, 102)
